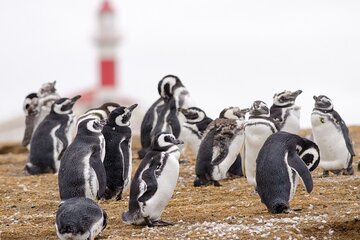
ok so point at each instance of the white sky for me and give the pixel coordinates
(226, 52)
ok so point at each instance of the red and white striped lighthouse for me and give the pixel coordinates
(107, 40)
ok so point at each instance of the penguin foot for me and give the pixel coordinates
(325, 174)
(119, 196)
(336, 172)
(348, 171)
(161, 223)
(201, 182)
(217, 184)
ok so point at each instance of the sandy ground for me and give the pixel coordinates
(232, 211)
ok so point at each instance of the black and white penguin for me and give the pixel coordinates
(82, 173)
(36, 107)
(284, 111)
(332, 136)
(101, 113)
(220, 146)
(195, 124)
(154, 182)
(79, 218)
(163, 114)
(282, 160)
(258, 128)
(51, 138)
(118, 155)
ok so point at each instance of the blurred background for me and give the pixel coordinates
(227, 53)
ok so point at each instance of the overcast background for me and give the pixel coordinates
(227, 52)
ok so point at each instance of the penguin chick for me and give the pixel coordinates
(220, 146)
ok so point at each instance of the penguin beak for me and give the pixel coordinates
(296, 93)
(182, 110)
(177, 141)
(241, 112)
(132, 107)
(102, 122)
(315, 98)
(74, 99)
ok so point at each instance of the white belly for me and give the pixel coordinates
(334, 154)
(219, 171)
(292, 123)
(166, 186)
(191, 139)
(255, 136)
(91, 181)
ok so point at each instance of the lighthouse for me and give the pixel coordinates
(107, 40)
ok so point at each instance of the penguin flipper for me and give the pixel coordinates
(29, 128)
(149, 177)
(221, 144)
(298, 165)
(99, 169)
(345, 132)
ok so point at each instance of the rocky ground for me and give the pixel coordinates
(28, 205)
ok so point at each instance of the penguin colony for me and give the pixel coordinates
(92, 155)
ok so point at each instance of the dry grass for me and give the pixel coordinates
(232, 211)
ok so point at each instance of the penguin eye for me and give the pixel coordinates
(281, 99)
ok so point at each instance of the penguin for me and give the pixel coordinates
(36, 107)
(162, 114)
(118, 155)
(31, 111)
(51, 138)
(332, 136)
(82, 173)
(282, 160)
(195, 124)
(284, 111)
(258, 128)
(154, 182)
(220, 146)
(80, 218)
(101, 113)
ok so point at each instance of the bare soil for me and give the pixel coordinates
(28, 205)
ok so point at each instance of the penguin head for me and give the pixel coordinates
(259, 108)
(309, 152)
(47, 88)
(30, 102)
(90, 125)
(285, 98)
(234, 113)
(109, 106)
(323, 103)
(165, 140)
(167, 86)
(193, 114)
(120, 116)
(64, 105)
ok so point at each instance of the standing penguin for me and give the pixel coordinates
(220, 146)
(163, 115)
(332, 136)
(194, 126)
(284, 111)
(79, 218)
(282, 160)
(36, 107)
(82, 173)
(51, 138)
(154, 182)
(258, 128)
(118, 155)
